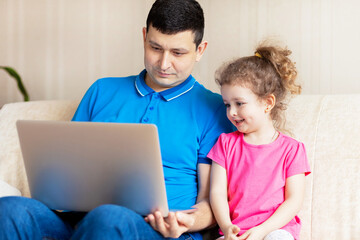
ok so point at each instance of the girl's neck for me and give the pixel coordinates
(266, 135)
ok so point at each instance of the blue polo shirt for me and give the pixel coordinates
(189, 119)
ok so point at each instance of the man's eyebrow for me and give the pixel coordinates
(173, 49)
(154, 43)
(180, 49)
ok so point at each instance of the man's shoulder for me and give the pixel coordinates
(107, 85)
(206, 94)
(114, 81)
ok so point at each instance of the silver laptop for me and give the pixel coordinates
(78, 166)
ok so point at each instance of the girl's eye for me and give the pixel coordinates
(227, 105)
(239, 104)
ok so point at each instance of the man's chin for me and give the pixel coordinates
(166, 82)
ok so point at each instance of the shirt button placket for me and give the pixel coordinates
(150, 110)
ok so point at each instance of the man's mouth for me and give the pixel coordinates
(164, 74)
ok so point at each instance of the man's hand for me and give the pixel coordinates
(175, 224)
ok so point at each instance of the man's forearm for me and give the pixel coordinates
(204, 217)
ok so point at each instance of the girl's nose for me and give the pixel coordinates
(232, 111)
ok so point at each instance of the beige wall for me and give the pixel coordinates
(60, 47)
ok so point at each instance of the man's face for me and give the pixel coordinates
(169, 59)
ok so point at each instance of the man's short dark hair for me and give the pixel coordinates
(174, 16)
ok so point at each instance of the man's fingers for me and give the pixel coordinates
(185, 219)
(150, 219)
(160, 224)
(171, 226)
(172, 223)
(155, 220)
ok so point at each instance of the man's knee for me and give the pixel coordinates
(13, 216)
(114, 222)
(12, 206)
(108, 221)
(26, 218)
(111, 216)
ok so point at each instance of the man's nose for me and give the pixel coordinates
(165, 62)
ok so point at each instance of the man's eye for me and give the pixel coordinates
(178, 53)
(156, 48)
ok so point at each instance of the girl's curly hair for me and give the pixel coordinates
(269, 71)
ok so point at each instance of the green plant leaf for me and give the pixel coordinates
(12, 72)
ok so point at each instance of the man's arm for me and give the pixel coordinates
(204, 216)
(179, 222)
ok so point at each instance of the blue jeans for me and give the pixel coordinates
(25, 218)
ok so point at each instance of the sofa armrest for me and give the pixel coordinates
(12, 170)
(7, 190)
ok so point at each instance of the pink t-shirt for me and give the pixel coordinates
(256, 177)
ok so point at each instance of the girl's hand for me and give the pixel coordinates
(255, 233)
(231, 232)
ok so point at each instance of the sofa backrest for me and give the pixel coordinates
(329, 126)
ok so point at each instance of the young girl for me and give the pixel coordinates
(258, 173)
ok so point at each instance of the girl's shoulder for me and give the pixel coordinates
(229, 139)
(287, 141)
(231, 135)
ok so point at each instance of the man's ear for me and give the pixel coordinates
(144, 33)
(200, 50)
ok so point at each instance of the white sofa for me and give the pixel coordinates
(329, 125)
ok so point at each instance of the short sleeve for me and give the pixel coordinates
(218, 152)
(204, 160)
(86, 106)
(297, 161)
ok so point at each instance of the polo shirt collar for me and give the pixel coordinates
(168, 94)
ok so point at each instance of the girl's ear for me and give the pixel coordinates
(270, 102)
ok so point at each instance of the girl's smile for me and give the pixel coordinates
(244, 109)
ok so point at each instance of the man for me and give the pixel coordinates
(189, 120)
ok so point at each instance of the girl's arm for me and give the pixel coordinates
(219, 201)
(294, 196)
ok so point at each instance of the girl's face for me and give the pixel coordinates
(244, 109)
